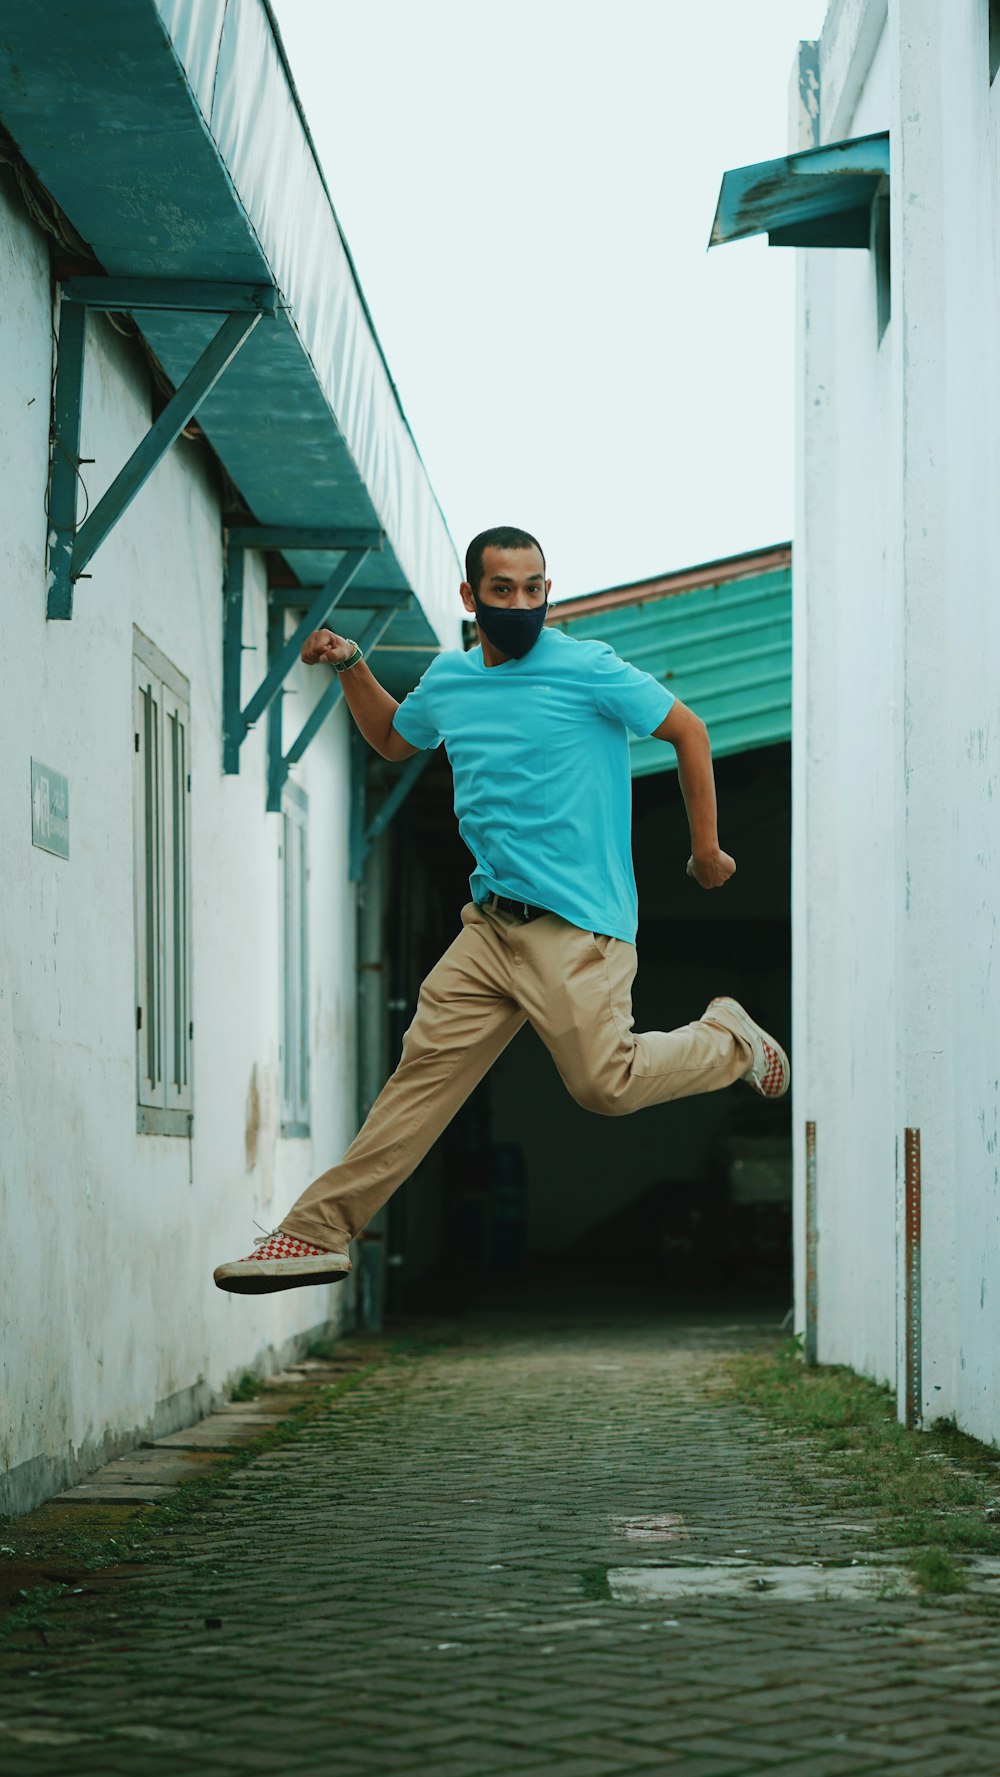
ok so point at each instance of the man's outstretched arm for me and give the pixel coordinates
(370, 705)
(687, 734)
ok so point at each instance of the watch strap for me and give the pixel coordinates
(343, 666)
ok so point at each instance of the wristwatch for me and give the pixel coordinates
(343, 666)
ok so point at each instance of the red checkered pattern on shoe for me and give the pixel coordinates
(773, 1077)
(285, 1246)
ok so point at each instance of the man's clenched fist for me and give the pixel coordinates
(712, 871)
(323, 644)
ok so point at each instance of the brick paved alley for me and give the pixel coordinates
(439, 1576)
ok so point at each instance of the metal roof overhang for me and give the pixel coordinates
(170, 133)
(819, 198)
(719, 636)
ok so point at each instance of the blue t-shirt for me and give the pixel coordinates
(543, 788)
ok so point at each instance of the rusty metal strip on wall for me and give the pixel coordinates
(911, 1282)
(812, 1239)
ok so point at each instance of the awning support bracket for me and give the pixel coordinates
(354, 547)
(363, 833)
(72, 546)
(283, 657)
(279, 763)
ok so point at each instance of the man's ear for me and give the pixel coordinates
(467, 599)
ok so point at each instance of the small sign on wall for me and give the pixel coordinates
(49, 809)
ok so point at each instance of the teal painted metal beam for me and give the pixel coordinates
(70, 549)
(315, 618)
(314, 721)
(182, 406)
(132, 295)
(275, 763)
(65, 471)
(237, 722)
(363, 598)
(283, 536)
(278, 766)
(244, 305)
(396, 797)
(361, 834)
(232, 659)
(356, 814)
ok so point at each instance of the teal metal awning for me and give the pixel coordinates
(819, 198)
(170, 134)
(719, 636)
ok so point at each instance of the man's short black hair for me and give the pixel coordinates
(502, 536)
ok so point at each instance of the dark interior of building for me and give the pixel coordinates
(691, 1198)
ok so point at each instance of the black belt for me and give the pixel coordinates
(522, 910)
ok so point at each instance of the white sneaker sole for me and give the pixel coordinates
(756, 1036)
(260, 1277)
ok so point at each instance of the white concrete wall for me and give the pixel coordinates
(897, 830)
(844, 1061)
(109, 1321)
(961, 636)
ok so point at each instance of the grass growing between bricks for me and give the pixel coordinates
(931, 1493)
(79, 1542)
(247, 1388)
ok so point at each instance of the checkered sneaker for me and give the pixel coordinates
(281, 1262)
(283, 1246)
(769, 1072)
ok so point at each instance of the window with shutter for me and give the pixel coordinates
(162, 796)
(294, 962)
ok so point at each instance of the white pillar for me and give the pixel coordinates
(814, 696)
(925, 948)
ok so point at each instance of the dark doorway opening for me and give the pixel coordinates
(691, 1199)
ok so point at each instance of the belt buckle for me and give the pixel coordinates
(500, 902)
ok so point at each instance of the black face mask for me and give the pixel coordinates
(512, 632)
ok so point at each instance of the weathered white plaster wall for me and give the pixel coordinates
(962, 637)
(843, 918)
(897, 828)
(109, 1320)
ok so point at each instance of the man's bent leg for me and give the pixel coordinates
(577, 993)
(464, 1019)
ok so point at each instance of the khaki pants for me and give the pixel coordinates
(575, 989)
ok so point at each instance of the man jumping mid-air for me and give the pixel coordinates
(536, 727)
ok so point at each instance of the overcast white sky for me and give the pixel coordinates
(527, 190)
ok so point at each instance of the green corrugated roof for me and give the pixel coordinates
(724, 648)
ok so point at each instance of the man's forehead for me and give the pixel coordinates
(503, 564)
